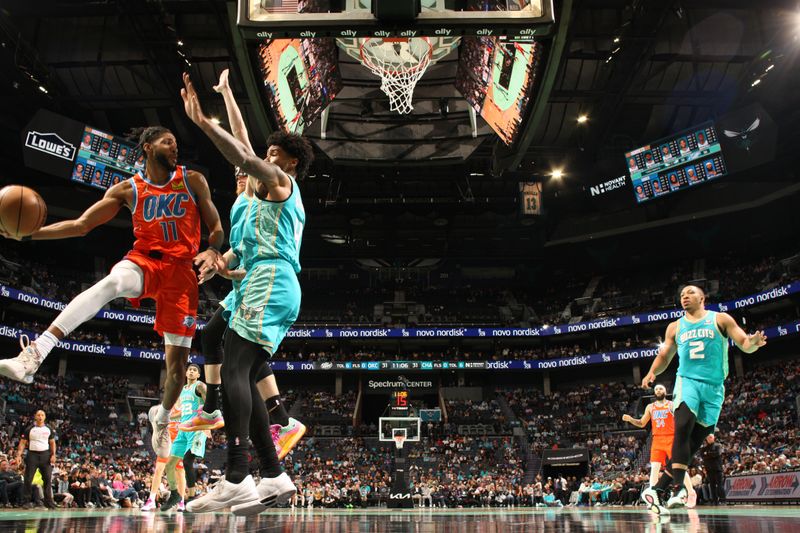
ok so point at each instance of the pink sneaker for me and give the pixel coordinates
(286, 437)
(181, 507)
(149, 505)
(204, 421)
(691, 500)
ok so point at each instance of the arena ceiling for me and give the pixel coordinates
(637, 69)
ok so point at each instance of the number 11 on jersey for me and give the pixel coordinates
(170, 230)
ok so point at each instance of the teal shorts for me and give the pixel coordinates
(703, 399)
(266, 304)
(193, 441)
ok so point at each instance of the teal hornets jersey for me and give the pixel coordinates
(238, 211)
(702, 350)
(189, 401)
(261, 229)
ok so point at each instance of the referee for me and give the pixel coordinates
(40, 441)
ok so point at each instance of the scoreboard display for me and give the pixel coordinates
(677, 162)
(104, 160)
(399, 401)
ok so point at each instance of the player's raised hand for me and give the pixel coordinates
(191, 103)
(206, 263)
(757, 339)
(223, 82)
(648, 380)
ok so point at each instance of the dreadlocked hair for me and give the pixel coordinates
(297, 147)
(144, 135)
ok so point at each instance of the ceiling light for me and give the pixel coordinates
(582, 119)
(755, 82)
(616, 39)
(215, 120)
(43, 89)
(557, 173)
(180, 43)
(770, 68)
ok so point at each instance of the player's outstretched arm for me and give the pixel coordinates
(273, 178)
(746, 343)
(666, 352)
(98, 214)
(639, 422)
(210, 216)
(235, 118)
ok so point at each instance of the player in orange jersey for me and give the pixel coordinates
(660, 414)
(167, 202)
(161, 465)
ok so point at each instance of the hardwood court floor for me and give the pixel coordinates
(751, 519)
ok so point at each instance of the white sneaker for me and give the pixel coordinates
(24, 366)
(224, 494)
(650, 499)
(271, 492)
(691, 500)
(678, 499)
(160, 439)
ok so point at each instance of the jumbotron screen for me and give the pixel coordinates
(299, 78)
(677, 162)
(498, 78)
(104, 160)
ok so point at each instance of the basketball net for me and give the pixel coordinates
(400, 63)
(399, 440)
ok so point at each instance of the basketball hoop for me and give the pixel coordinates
(399, 440)
(400, 63)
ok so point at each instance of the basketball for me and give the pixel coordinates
(22, 210)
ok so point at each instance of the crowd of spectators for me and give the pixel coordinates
(325, 408)
(453, 300)
(102, 454)
(102, 458)
(758, 427)
(477, 412)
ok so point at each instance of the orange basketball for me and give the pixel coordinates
(22, 210)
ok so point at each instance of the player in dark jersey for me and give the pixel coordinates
(167, 203)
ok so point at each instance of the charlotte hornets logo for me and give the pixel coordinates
(189, 321)
(747, 137)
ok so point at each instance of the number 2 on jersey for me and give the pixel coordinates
(696, 350)
(170, 230)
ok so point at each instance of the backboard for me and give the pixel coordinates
(389, 426)
(281, 19)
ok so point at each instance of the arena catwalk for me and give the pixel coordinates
(725, 519)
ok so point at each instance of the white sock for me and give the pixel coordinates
(162, 415)
(45, 343)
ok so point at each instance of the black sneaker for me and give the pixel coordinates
(173, 500)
